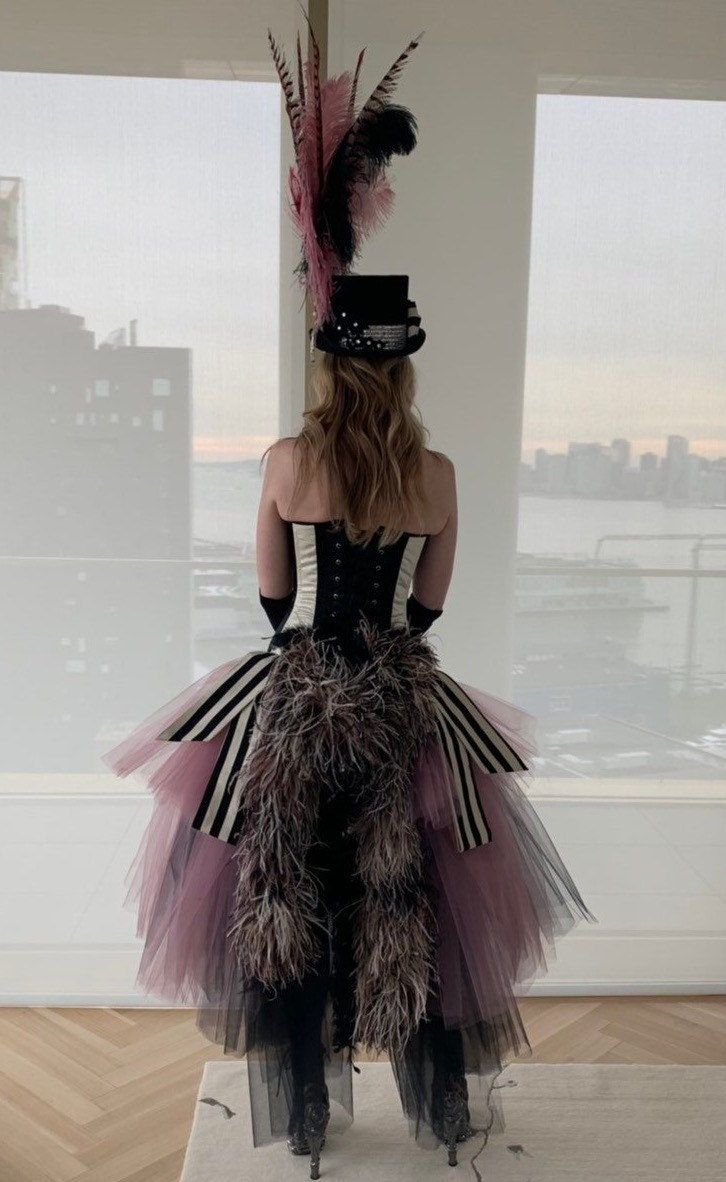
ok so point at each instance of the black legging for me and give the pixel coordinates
(333, 861)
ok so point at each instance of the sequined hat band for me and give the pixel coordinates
(371, 316)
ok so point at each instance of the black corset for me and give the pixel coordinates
(354, 580)
(339, 584)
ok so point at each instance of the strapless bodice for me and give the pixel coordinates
(338, 582)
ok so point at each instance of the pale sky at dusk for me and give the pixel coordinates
(627, 313)
(157, 199)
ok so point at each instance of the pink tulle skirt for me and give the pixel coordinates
(500, 906)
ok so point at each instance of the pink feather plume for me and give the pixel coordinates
(372, 205)
(321, 262)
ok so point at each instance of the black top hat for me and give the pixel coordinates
(371, 316)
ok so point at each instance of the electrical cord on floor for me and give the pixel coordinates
(486, 1131)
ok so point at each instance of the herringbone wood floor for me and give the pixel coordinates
(105, 1095)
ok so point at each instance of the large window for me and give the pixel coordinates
(139, 258)
(621, 592)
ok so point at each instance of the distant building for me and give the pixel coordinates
(693, 478)
(674, 468)
(589, 469)
(550, 471)
(101, 449)
(620, 453)
(12, 255)
(648, 462)
(96, 535)
(714, 484)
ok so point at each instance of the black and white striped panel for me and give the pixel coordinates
(413, 326)
(219, 808)
(486, 744)
(470, 824)
(204, 720)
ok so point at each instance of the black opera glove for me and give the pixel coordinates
(277, 610)
(420, 618)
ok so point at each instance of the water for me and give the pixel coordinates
(225, 502)
(687, 634)
(573, 526)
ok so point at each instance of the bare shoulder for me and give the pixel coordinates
(439, 477)
(439, 471)
(279, 458)
(279, 472)
(281, 451)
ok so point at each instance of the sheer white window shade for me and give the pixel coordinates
(139, 339)
(621, 593)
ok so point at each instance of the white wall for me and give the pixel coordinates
(147, 37)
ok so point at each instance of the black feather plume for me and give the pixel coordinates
(390, 131)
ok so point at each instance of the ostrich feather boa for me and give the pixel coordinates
(325, 723)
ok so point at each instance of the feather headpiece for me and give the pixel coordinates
(338, 189)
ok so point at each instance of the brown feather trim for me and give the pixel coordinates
(324, 721)
(354, 84)
(292, 105)
(395, 966)
(300, 78)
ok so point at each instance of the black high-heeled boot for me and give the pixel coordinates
(308, 1125)
(451, 1119)
(315, 1122)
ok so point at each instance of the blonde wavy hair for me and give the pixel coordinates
(366, 437)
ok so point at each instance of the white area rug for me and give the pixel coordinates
(564, 1124)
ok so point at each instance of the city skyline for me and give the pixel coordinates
(709, 449)
(604, 470)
